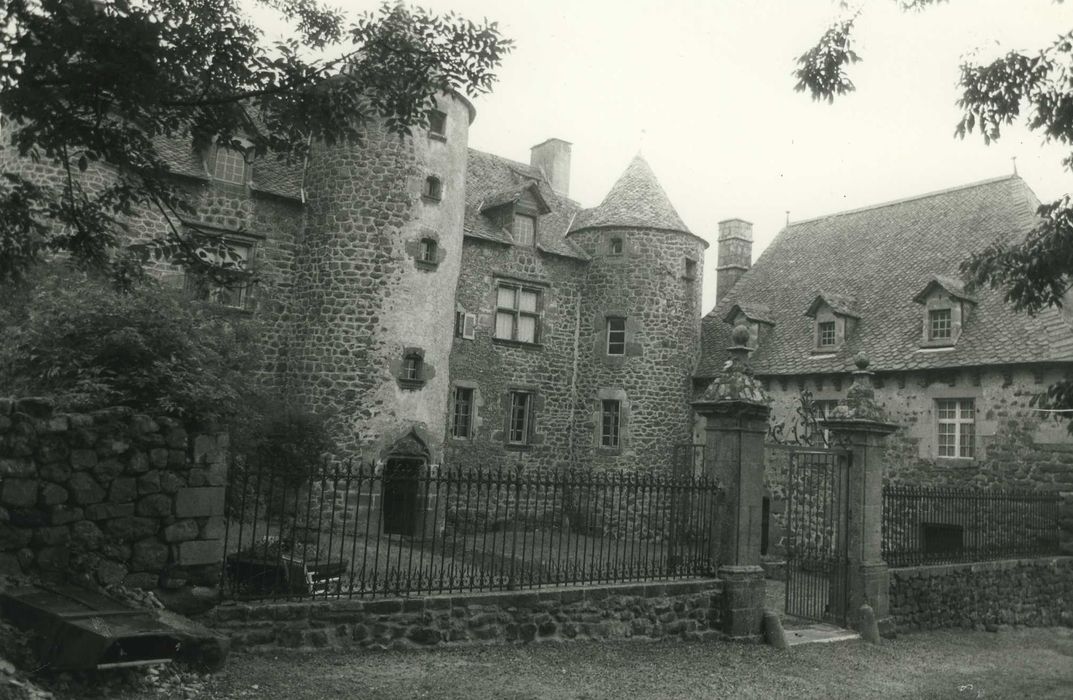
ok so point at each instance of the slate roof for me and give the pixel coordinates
(883, 256)
(635, 200)
(489, 176)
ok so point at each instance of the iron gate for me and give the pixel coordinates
(816, 556)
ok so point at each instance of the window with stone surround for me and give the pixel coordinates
(956, 433)
(518, 310)
(230, 254)
(939, 324)
(412, 372)
(520, 418)
(462, 416)
(524, 229)
(610, 423)
(433, 189)
(229, 165)
(428, 251)
(411, 367)
(825, 334)
(437, 124)
(616, 336)
(615, 248)
(691, 269)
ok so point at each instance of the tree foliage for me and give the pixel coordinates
(72, 336)
(90, 82)
(1033, 88)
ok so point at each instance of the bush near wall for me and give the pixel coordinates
(111, 497)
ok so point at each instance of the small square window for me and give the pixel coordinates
(611, 412)
(411, 367)
(520, 417)
(524, 229)
(616, 246)
(825, 334)
(433, 188)
(616, 336)
(939, 324)
(462, 422)
(437, 123)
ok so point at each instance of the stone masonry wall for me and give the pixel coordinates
(674, 609)
(493, 368)
(650, 286)
(113, 496)
(1030, 592)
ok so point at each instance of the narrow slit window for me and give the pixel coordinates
(521, 410)
(611, 411)
(462, 423)
(691, 268)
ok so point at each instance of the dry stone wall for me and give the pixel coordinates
(673, 609)
(113, 496)
(1029, 592)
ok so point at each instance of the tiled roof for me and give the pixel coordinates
(754, 312)
(636, 200)
(270, 174)
(841, 304)
(882, 257)
(489, 176)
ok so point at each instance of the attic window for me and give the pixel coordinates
(524, 229)
(825, 334)
(437, 124)
(433, 189)
(229, 165)
(939, 324)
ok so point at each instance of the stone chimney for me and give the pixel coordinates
(553, 157)
(734, 256)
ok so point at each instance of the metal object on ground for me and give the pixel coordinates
(77, 629)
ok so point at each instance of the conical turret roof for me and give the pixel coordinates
(636, 200)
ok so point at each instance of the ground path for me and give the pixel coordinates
(1014, 663)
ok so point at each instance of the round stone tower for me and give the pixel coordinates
(375, 274)
(639, 327)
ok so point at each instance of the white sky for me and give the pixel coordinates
(708, 84)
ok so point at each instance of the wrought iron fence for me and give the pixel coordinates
(408, 529)
(937, 525)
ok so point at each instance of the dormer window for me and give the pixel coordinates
(826, 334)
(433, 189)
(947, 305)
(229, 165)
(939, 324)
(524, 230)
(437, 125)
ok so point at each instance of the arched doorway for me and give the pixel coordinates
(403, 486)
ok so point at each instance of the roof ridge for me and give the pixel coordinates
(904, 200)
(509, 161)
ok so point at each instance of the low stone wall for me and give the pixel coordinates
(673, 609)
(982, 595)
(112, 496)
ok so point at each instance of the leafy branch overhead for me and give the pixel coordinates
(1035, 89)
(93, 89)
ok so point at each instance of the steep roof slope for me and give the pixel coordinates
(635, 200)
(882, 256)
(489, 176)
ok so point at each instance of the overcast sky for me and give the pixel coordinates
(704, 89)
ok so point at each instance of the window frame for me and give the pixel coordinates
(610, 423)
(464, 396)
(429, 250)
(412, 366)
(204, 290)
(239, 156)
(432, 189)
(437, 118)
(621, 331)
(517, 313)
(526, 407)
(532, 218)
(933, 315)
(822, 326)
(958, 422)
(616, 246)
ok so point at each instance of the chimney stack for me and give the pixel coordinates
(553, 157)
(734, 256)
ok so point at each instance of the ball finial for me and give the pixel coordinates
(740, 334)
(861, 360)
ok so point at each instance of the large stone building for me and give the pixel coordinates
(955, 367)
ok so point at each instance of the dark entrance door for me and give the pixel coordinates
(401, 491)
(816, 559)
